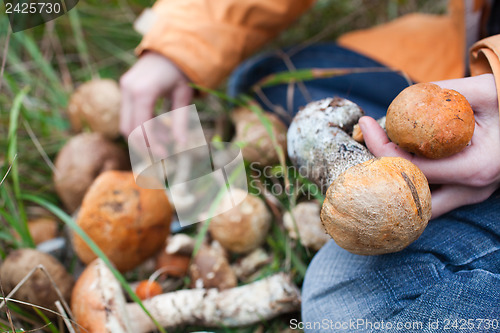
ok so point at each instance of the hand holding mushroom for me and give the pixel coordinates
(469, 176)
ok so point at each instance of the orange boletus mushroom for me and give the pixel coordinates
(376, 207)
(129, 223)
(430, 121)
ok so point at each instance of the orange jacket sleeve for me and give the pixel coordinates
(208, 39)
(485, 58)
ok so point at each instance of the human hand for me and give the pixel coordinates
(153, 76)
(470, 176)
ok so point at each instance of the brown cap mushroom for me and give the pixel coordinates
(430, 121)
(80, 161)
(175, 265)
(38, 289)
(377, 207)
(311, 231)
(129, 223)
(41, 229)
(99, 306)
(251, 134)
(242, 228)
(210, 269)
(96, 104)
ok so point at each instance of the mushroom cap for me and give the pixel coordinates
(430, 121)
(38, 289)
(80, 161)
(97, 301)
(377, 207)
(307, 217)
(242, 228)
(176, 265)
(257, 145)
(211, 269)
(96, 104)
(42, 229)
(128, 223)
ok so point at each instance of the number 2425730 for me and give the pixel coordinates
(32, 8)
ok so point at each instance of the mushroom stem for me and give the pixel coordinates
(238, 306)
(319, 141)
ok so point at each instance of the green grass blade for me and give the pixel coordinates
(81, 45)
(79, 231)
(22, 223)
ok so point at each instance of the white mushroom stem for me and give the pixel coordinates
(248, 304)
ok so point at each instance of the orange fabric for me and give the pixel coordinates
(426, 47)
(485, 58)
(207, 39)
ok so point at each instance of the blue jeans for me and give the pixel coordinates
(446, 281)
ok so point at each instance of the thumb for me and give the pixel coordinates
(377, 142)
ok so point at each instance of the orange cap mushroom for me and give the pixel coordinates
(129, 223)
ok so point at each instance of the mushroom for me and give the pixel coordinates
(250, 263)
(80, 161)
(180, 244)
(357, 135)
(175, 265)
(38, 289)
(308, 222)
(210, 269)
(319, 141)
(241, 228)
(99, 306)
(128, 223)
(146, 289)
(253, 137)
(41, 229)
(430, 121)
(96, 104)
(379, 206)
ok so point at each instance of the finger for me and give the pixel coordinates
(126, 114)
(181, 96)
(377, 142)
(449, 197)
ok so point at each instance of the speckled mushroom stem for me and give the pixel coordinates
(320, 143)
(99, 305)
(233, 307)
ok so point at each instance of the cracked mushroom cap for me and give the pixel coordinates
(257, 146)
(96, 104)
(129, 223)
(377, 207)
(430, 121)
(80, 161)
(242, 228)
(38, 289)
(308, 221)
